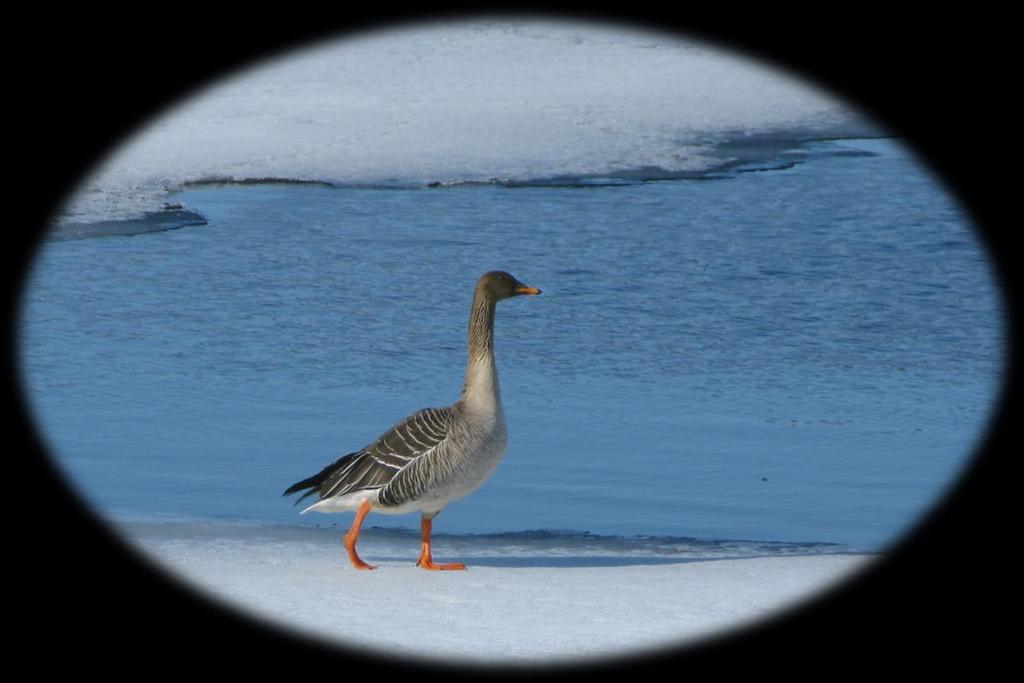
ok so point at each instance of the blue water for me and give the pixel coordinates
(806, 354)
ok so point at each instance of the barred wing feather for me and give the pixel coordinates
(393, 452)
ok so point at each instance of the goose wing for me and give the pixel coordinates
(382, 461)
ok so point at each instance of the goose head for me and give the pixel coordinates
(497, 285)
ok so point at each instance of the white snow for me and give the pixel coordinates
(460, 100)
(510, 606)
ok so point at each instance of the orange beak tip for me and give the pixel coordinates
(528, 290)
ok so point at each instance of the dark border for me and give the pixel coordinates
(940, 80)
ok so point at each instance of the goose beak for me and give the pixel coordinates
(527, 290)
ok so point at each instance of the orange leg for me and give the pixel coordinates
(425, 560)
(350, 538)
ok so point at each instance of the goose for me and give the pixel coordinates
(435, 455)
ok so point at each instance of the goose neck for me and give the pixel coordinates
(481, 385)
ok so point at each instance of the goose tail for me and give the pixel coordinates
(312, 484)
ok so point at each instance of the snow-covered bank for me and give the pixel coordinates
(463, 101)
(512, 605)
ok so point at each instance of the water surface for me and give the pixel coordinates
(806, 354)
